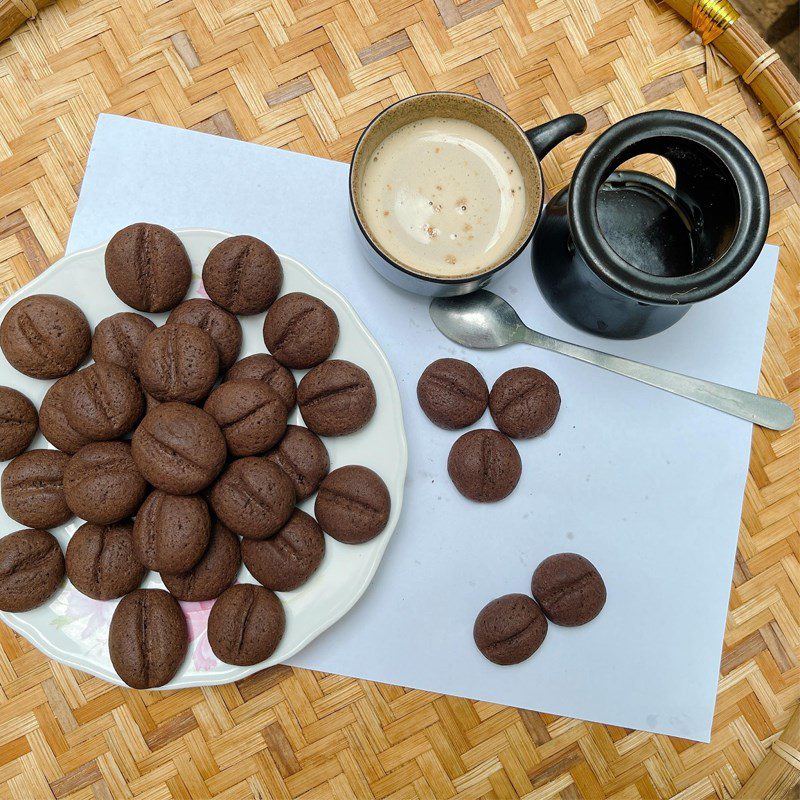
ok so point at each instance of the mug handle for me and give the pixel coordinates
(545, 137)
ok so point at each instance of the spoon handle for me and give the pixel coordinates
(755, 408)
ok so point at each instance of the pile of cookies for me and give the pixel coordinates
(484, 464)
(211, 456)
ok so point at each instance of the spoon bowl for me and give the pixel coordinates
(481, 320)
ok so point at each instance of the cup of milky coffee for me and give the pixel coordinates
(446, 190)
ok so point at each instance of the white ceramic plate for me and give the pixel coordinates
(73, 628)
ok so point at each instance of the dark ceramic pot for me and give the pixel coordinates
(625, 255)
(527, 147)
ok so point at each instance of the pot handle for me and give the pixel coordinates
(545, 137)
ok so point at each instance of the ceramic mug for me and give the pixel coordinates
(527, 147)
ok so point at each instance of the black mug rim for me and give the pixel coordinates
(598, 162)
(477, 276)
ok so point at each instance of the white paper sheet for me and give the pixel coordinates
(646, 485)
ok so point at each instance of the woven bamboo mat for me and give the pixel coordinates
(308, 76)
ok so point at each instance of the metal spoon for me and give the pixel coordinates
(485, 321)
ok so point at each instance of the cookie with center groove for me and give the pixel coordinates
(102, 483)
(45, 336)
(484, 465)
(452, 393)
(102, 401)
(147, 638)
(302, 455)
(252, 416)
(300, 330)
(32, 489)
(18, 422)
(178, 363)
(120, 337)
(54, 423)
(31, 569)
(353, 504)
(101, 562)
(264, 367)
(222, 326)
(253, 497)
(246, 625)
(179, 448)
(569, 589)
(171, 531)
(509, 629)
(290, 557)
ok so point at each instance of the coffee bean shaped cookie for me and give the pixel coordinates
(147, 267)
(452, 393)
(45, 336)
(171, 531)
(569, 589)
(54, 423)
(524, 402)
(288, 559)
(213, 573)
(263, 367)
(484, 465)
(300, 330)
(102, 401)
(352, 504)
(251, 415)
(223, 328)
(253, 497)
(336, 398)
(178, 363)
(18, 422)
(120, 337)
(303, 457)
(33, 489)
(243, 275)
(102, 484)
(31, 569)
(178, 448)
(510, 629)
(101, 562)
(147, 639)
(246, 625)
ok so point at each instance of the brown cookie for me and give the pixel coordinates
(253, 497)
(300, 330)
(524, 402)
(452, 393)
(263, 367)
(246, 624)
(213, 573)
(102, 484)
(178, 363)
(243, 275)
(484, 465)
(510, 629)
(171, 531)
(101, 562)
(336, 398)
(289, 558)
(251, 415)
(303, 457)
(223, 328)
(54, 423)
(569, 589)
(352, 504)
(18, 422)
(102, 401)
(120, 337)
(147, 267)
(31, 569)
(33, 489)
(179, 448)
(147, 639)
(45, 336)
